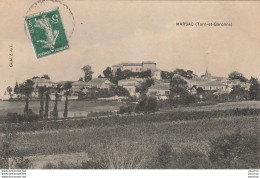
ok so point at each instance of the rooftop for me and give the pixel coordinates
(79, 83)
(41, 80)
(98, 81)
(133, 64)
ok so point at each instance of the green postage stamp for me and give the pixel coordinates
(47, 33)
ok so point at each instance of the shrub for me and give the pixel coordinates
(15, 118)
(97, 114)
(187, 158)
(147, 104)
(123, 155)
(21, 163)
(190, 158)
(126, 109)
(235, 151)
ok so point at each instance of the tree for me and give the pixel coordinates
(237, 75)
(108, 73)
(58, 89)
(145, 74)
(179, 91)
(254, 90)
(67, 86)
(147, 104)
(16, 88)
(144, 86)
(88, 73)
(180, 72)
(81, 79)
(9, 90)
(46, 77)
(187, 74)
(119, 75)
(41, 91)
(119, 91)
(238, 92)
(200, 90)
(190, 74)
(26, 89)
(35, 77)
(235, 151)
(167, 75)
(47, 96)
(178, 86)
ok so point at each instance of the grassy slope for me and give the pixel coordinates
(144, 136)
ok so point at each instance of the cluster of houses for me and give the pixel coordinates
(160, 89)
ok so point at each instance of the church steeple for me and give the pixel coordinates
(207, 75)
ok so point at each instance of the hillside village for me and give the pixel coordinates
(125, 79)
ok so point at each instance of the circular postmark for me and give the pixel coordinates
(66, 13)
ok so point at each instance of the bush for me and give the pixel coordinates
(126, 109)
(21, 163)
(97, 114)
(15, 118)
(235, 151)
(147, 104)
(123, 155)
(190, 158)
(187, 158)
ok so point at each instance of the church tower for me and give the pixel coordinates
(207, 75)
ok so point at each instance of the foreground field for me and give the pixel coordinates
(217, 106)
(76, 108)
(134, 141)
(142, 138)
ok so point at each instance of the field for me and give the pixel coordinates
(133, 141)
(144, 137)
(76, 108)
(217, 106)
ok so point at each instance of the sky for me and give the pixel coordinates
(110, 32)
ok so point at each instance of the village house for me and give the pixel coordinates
(135, 67)
(79, 86)
(160, 90)
(208, 83)
(101, 83)
(235, 82)
(42, 82)
(130, 85)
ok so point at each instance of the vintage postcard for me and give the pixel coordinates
(129, 84)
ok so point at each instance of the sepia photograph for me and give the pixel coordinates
(129, 85)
